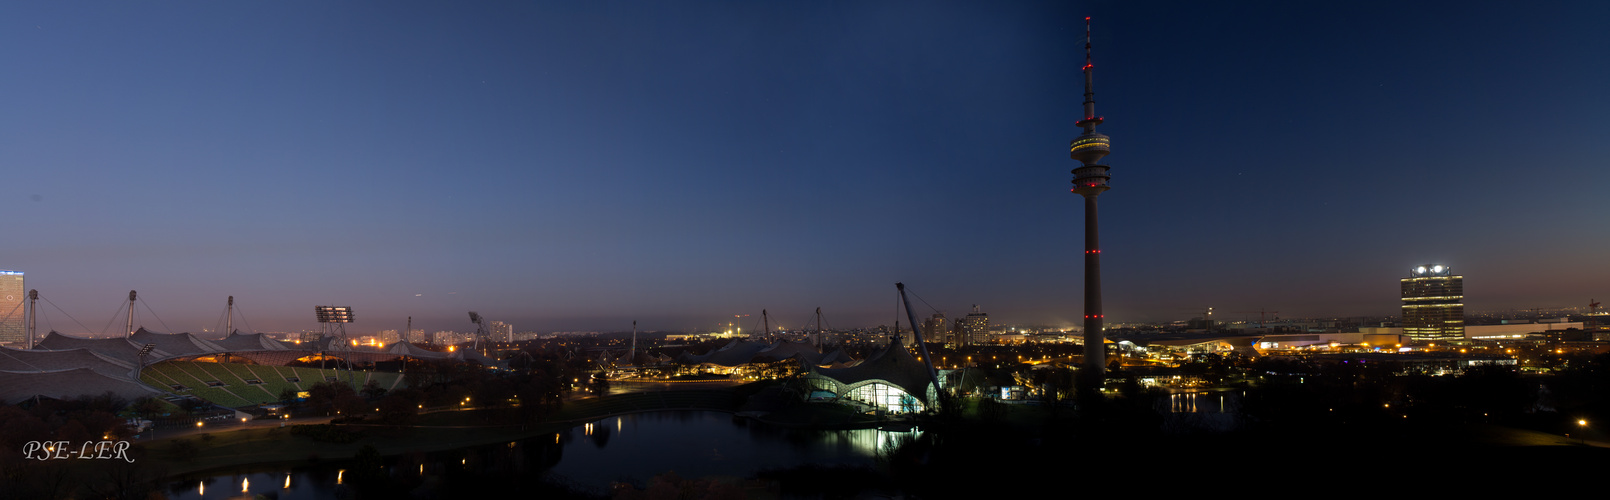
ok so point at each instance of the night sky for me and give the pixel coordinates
(578, 165)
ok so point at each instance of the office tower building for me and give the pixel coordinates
(1433, 305)
(13, 314)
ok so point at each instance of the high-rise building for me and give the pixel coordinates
(1433, 305)
(502, 332)
(445, 337)
(387, 337)
(417, 335)
(974, 327)
(933, 329)
(13, 316)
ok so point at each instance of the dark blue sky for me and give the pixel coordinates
(573, 165)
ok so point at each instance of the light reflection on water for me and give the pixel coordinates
(631, 448)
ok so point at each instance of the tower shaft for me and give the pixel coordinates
(1095, 342)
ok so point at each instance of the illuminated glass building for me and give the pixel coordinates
(13, 315)
(1433, 305)
(890, 380)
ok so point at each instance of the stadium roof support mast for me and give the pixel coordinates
(33, 304)
(631, 354)
(922, 345)
(1090, 180)
(818, 328)
(129, 332)
(229, 318)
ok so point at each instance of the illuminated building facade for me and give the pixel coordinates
(387, 337)
(974, 327)
(502, 332)
(12, 312)
(1433, 305)
(933, 329)
(889, 381)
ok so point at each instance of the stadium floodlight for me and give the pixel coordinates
(333, 314)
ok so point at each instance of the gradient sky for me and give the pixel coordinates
(577, 165)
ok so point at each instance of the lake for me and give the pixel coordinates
(589, 457)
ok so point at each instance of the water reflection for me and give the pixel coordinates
(632, 449)
(1198, 402)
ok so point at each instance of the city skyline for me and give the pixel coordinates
(578, 167)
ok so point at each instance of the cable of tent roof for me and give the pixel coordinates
(69, 316)
(153, 312)
(115, 314)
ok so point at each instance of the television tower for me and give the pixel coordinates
(1089, 180)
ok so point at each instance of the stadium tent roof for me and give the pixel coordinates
(473, 355)
(803, 351)
(33, 360)
(115, 348)
(735, 353)
(838, 358)
(175, 344)
(16, 387)
(407, 349)
(892, 364)
(237, 341)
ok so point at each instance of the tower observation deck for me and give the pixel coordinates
(1089, 180)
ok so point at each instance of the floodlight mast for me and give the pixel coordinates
(335, 321)
(480, 328)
